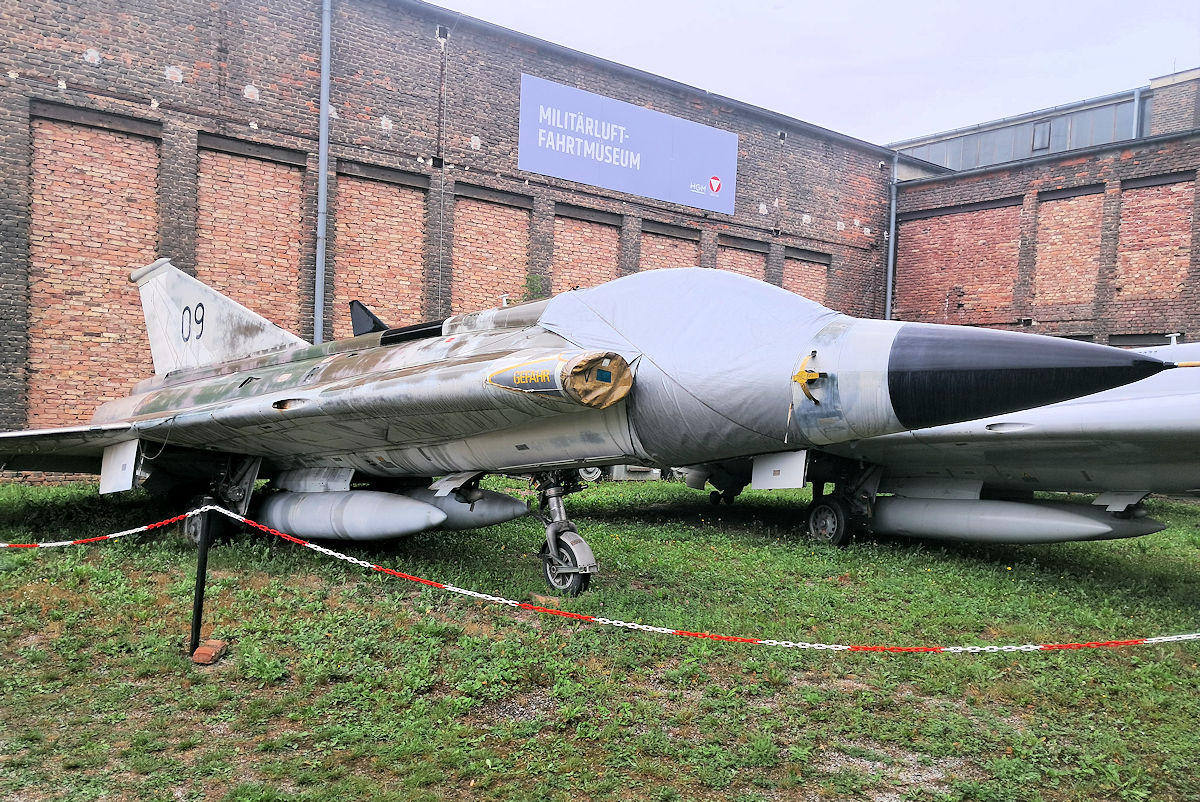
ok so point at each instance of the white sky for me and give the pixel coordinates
(883, 71)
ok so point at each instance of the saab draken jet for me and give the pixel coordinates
(389, 432)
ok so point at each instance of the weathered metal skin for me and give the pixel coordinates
(383, 410)
(367, 423)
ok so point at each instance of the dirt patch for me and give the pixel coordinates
(36, 640)
(906, 770)
(523, 706)
(846, 684)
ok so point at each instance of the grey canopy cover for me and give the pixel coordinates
(650, 319)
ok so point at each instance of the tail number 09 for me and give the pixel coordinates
(191, 324)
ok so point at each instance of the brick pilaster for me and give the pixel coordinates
(177, 194)
(15, 148)
(1111, 228)
(631, 245)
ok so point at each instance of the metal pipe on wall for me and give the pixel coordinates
(891, 255)
(1137, 113)
(322, 177)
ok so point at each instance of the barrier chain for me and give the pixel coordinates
(631, 625)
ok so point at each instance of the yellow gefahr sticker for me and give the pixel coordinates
(532, 376)
(539, 376)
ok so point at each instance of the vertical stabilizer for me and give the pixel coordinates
(191, 325)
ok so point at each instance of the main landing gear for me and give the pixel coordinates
(567, 560)
(829, 521)
(230, 488)
(836, 518)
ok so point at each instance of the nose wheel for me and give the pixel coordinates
(567, 560)
(562, 574)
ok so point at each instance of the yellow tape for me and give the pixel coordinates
(804, 376)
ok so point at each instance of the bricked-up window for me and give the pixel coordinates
(958, 268)
(660, 251)
(491, 255)
(378, 251)
(585, 254)
(748, 263)
(93, 219)
(1154, 247)
(1069, 235)
(248, 233)
(809, 279)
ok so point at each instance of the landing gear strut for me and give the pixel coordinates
(231, 489)
(567, 560)
(836, 518)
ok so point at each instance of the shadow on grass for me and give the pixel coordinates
(78, 508)
(1141, 573)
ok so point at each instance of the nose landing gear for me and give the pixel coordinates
(567, 560)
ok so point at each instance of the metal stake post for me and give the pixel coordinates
(206, 528)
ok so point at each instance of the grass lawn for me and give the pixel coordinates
(342, 683)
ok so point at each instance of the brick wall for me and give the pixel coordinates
(659, 251)
(377, 255)
(1095, 243)
(1069, 242)
(248, 234)
(748, 263)
(806, 278)
(1175, 107)
(585, 254)
(1154, 248)
(93, 220)
(490, 254)
(958, 268)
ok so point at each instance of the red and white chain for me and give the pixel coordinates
(632, 625)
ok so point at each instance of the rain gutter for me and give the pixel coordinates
(891, 255)
(322, 178)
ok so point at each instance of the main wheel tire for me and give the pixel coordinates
(829, 522)
(565, 584)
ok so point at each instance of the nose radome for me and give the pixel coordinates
(943, 374)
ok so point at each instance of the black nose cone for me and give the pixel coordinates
(944, 374)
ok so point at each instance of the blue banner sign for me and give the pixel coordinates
(580, 136)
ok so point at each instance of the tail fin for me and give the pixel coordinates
(191, 325)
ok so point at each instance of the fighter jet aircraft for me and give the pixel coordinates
(975, 481)
(666, 367)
